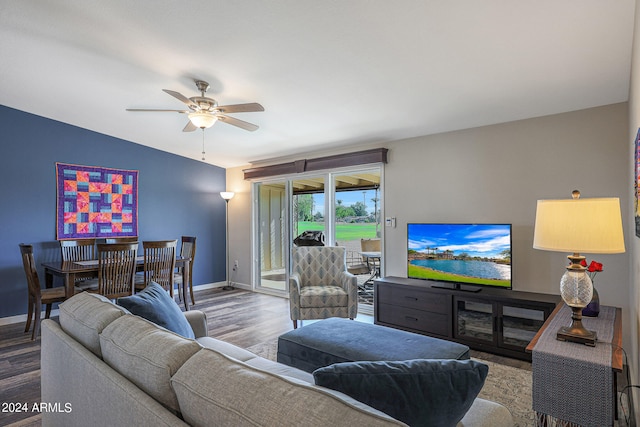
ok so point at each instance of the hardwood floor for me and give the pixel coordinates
(239, 317)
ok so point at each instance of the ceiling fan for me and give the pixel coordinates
(203, 111)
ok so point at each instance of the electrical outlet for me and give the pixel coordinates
(235, 265)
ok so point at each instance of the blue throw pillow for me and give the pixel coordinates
(421, 392)
(154, 304)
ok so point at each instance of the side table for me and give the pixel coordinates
(574, 383)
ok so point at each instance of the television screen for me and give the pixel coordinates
(476, 254)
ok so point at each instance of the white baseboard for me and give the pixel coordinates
(22, 318)
(221, 285)
(208, 286)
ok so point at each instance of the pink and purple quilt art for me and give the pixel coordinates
(96, 202)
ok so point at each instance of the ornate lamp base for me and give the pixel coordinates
(576, 332)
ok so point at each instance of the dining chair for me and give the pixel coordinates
(81, 250)
(37, 295)
(116, 269)
(127, 239)
(357, 267)
(371, 245)
(355, 262)
(159, 264)
(187, 250)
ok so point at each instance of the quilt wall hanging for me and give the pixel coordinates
(96, 202)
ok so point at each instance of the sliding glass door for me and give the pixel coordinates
(343, 206)
(356, 226)
(272, 235)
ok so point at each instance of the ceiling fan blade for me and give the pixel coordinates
(240, 108)
(190, 127)
(237, 122)
(152, 110)
(182, 98)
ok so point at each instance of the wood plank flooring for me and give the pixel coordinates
(239, 317)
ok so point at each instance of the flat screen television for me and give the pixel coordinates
(458, 255)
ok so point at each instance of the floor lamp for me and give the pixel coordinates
(227, 195)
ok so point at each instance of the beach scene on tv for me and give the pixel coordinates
(478, 254)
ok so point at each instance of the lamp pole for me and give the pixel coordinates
(227, 195)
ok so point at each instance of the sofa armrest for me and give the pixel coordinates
(484, 413)
(198, 321)
(294, 287)
(294, 296)
(349, 283)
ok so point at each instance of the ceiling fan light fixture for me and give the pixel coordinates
(202, 119)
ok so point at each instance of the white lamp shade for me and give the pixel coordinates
(227, 195)
(579, 225)
(202, 119)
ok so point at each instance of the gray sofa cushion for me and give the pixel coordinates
(280, 369)
(420, 393)
(251, 359)
(85, 315)
(154, 304)
(147, 355)
(98, 395)
(231, 393)
(226, 348)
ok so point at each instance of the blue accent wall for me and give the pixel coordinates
(176, 196)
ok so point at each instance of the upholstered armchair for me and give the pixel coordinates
(320, 286)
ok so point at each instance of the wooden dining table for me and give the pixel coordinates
(68, 270)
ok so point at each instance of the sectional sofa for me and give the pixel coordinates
(101, 365)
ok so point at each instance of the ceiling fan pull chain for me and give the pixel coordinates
(203, 144)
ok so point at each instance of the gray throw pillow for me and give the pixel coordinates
(421, 392)
(154, 304)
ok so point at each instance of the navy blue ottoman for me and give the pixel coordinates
(335, 340)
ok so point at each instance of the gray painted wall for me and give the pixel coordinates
(496, 174)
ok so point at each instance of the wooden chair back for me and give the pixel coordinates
(81, 250)
(37, 296)
(116, 269)
(160, 262)
(78, 250)
(33, 283)
(112, 240)
(187, 250)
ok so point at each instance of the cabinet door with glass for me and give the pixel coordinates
(475, 320)
(519, 323)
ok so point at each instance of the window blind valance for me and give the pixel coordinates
(376, 155)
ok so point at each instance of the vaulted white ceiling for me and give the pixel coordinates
(329, 73)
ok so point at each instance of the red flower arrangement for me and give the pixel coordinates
(593, 268)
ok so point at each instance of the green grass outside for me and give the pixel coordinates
(427, 273)
(344, 232)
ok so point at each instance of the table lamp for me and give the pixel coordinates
(590, 225)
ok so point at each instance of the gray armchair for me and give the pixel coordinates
(320, 286)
